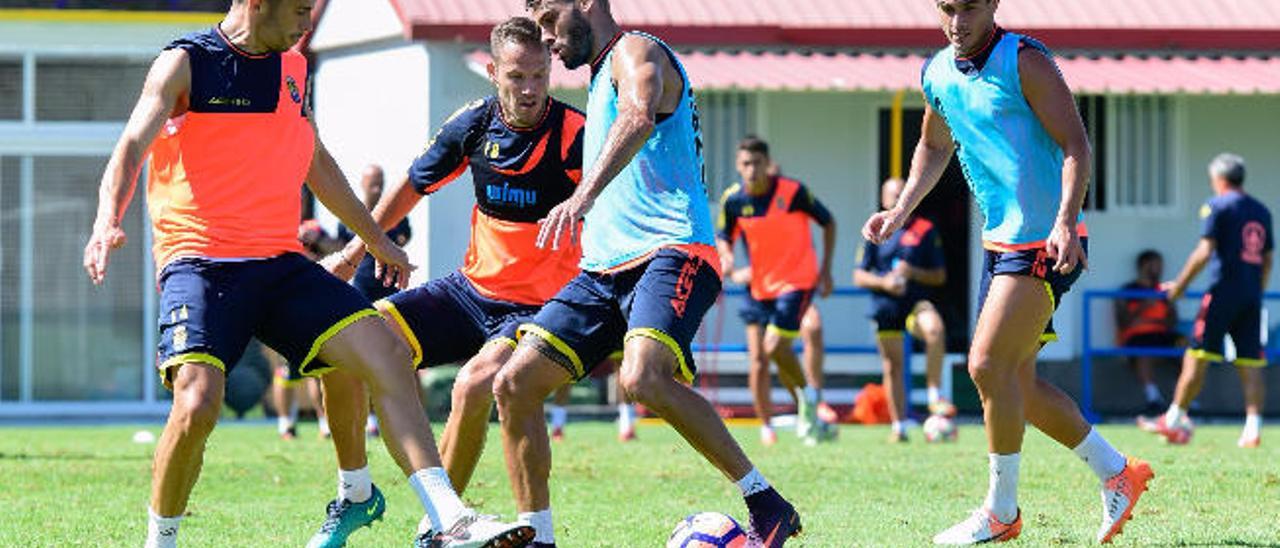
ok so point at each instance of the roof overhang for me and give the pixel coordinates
(868, 72)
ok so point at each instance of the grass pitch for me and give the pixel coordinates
(89, 486)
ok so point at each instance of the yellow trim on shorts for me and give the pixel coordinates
(911, 322)
(890, 334)
(286, 383)
(648, 332)
(1053, 301)
(1201, 354)
(788, 333)
(557, 343)
(384, 305)
(1048, 338)
(616, 355)
(1251, 362)
(504, 340)
(328, 334)
(180, 360)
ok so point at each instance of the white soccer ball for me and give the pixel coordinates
(707, 530)
(939, 428)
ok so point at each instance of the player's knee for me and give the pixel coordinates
(197, 410)
(475, 382)
(983, 370)
(511, 392)
(639, 383)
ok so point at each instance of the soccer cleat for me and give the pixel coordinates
(767, 436)
(773, 519)
(1120, 494)
(1178, 433)
(821, 431)
(289, 434)
(980, 527)
(345, 517)
(827, 414)
(476, 531)
(898, 437)
(943, 408)
(627, 434)
(1249, 442)
(557, 434)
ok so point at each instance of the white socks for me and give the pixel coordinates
(162, 532)
(899, 427)
(811, 395)
(1252, 426)
(1002, 490)
(437, 497)
(1153, 393)
(1100, 456)
(355, 485)
(558, 416)
(541, 522)
(323, 423)
(1174, 415)
(286, 420)
(752, 483)
(934, 395)
(626, 416)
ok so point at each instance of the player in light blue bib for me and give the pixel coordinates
(997, 100)
(650, 270)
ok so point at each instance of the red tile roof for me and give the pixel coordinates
(867, 72)
(1149, 24)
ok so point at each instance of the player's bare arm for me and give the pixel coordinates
(391, 208)
(326, 181)
(887, 283)
(825, 283)
(726, 255)
(924, 276)
(163, 96)
(1195, 263)
(1050, 98)
(928, 162)
(642, 74)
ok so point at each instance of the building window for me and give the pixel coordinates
(1140, 153)
(10, 89)
(727, 117)
(87, 90)
(1093, 112)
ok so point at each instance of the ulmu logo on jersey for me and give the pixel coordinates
(505, 195)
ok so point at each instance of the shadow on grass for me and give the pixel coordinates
(69, 456)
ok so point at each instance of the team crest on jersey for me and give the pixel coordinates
(780, 203)
(293, 89)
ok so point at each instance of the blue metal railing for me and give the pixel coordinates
(1086, 358)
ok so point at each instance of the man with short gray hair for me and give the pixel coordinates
(1237, 239)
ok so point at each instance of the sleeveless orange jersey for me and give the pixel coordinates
(775, 226)
(225, 179)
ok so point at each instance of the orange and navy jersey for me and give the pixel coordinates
(775, 226)
(1240, 227)
(226, 177)
(1147, 316)
(917, 244)
(519, 175)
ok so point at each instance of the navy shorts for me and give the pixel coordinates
(210, 309)
(893, 317)
(1037, 264)
(782, 314)
(593, 315)
(1222, 313)
(447, 321)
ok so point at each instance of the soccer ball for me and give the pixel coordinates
(707, 530)
(939, 428)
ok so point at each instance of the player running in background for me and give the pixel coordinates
(1237, 241)
(648, 259)
(903, 273)
(772, 214)
(222, 116)
(524, 150)
(1027, 161)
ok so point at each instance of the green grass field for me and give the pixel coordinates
(89, 486)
